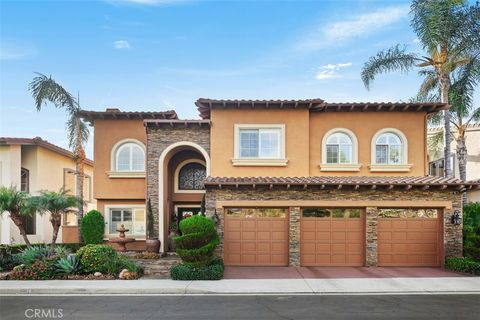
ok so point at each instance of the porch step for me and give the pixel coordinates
(159, 268)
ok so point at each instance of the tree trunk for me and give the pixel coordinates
(445, 87)
(80, 159)
(56, 220)
(462, 158)
(18, 222)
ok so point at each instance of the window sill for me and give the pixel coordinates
(340, 167)
(125, 174)
(390, 167)
(260, 162)
(188, 191)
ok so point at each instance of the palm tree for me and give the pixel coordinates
(57, 204)
(450, 35)
(19, 205)
(44, 89)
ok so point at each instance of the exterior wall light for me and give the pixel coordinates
(456, 219)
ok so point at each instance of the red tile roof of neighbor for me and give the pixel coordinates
(317, 105)
(37, 141)
(114, 113)
(354, 182)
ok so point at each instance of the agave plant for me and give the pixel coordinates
(68, 265)
(61, 251)
(29, 255)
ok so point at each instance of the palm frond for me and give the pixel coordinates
(435, 144)
(429, 85)
(44, 89)
(393, 59)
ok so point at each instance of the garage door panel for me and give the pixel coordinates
(338, 247)
(418, 245)
(309, 235)
(233, 235)
(308, 248)
(323, 235)
(247, 246)
(248, 235)
(248, 224)
(263, 235)
(338, 235)
(279, 235)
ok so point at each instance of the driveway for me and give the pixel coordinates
(335, 272)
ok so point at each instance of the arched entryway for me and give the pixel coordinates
(182, 168)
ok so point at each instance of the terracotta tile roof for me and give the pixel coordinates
(340, 182)
(113, 113)
(317, 105)
(37, 141)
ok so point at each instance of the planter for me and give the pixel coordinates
(152, 245)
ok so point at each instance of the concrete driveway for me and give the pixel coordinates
(335, 272)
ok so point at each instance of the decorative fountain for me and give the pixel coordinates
(121, 240)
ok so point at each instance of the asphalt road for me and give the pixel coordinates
(241, 307)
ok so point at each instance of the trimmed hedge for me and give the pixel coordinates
(464, 264)
(214, 271)
(471, 230)
(92, 227)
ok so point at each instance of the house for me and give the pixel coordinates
(288, 182)
(472, 142)
(33, 165)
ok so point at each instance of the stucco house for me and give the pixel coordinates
(33, 165)
(472, 142)
(288, 182)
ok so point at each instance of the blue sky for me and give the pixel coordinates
(164, 54)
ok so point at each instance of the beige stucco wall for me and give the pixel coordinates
(46, 172)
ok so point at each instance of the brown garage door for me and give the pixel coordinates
(332, 237)
(256, 237)
(410, 237)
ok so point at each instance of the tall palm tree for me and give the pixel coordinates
(450, 35)
(57, 204)
(18, 205)
(44, 89)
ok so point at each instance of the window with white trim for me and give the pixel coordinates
(339, 148)
(133, 218)
(130, 157)
(389, 149)
(261, 143)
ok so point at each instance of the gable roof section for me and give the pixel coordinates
(113, 113)
(317, 105)
(37, 141)
(338, 182)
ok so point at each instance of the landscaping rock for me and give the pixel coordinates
(123, 274)
(98, 274)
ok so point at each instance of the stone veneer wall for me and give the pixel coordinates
(452, 233)
(158, 139)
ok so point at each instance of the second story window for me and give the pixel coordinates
(388, 149)
(191, 176)
(130, 157)
(24, 180)
(260, 143)
(339, 149)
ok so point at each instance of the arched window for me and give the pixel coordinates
(130, 156)
(389, 149)
(191, 176)
(339, 147)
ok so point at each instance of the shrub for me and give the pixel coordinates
(68, 265)
(6, 259)
(92, 227)
(96, 257)
(122, 262)
(464, 264)
(61, 251)
(17, 248)
(471, 230)
(39, 270)
(198, 241)
(31, 254)
(214, 271)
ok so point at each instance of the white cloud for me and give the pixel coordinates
(121, 44)
(357, 26)
(330, 70)
(147, 2)
(16, 51)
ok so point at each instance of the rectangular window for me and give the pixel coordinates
(331, 212)
(408, 213)
(260, 143)
(132, 218)
(29, 223)
(381, 154)
(256, 212)
(332, 153)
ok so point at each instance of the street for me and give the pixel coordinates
(241, 307)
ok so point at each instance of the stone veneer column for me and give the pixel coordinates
(453, 234)
(371, 253)
(294, 237)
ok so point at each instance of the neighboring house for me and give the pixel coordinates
(436, 164)
(288, 182)
(33, 165)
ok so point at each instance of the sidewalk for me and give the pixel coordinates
(247, 286)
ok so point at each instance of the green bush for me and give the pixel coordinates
(198, 241)
(121, 262)
(214, 271)
(466, 265)
(92, 227)
(97, 258)
(471, 230)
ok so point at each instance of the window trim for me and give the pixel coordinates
(351, 167)
(113, 173)
(107, 235)
(403, 166)
(243, 161)
(177, 173)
